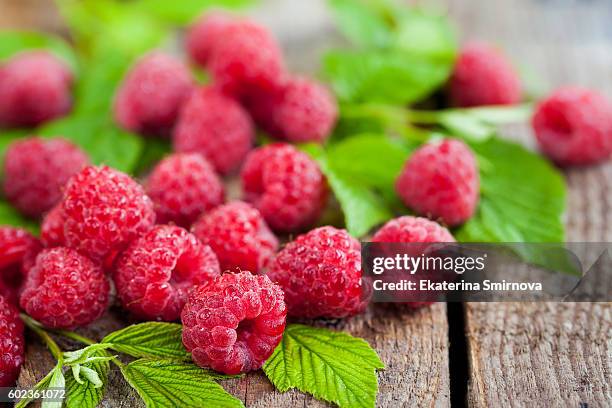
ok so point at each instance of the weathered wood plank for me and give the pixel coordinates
(547, 354)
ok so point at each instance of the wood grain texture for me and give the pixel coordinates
(548, 354)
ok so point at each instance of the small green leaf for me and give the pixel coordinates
(332, 366)
(88, 394)
(163, 383)
(153, 339)
(10, 216)
(81, 356)
(101, 139)
(12, 42)
(57, 381)
(522, 197)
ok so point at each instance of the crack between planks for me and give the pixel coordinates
(458, 361)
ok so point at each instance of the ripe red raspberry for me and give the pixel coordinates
(440, 180)
(182, 187)
(320, 273)
(574, 126)
(65, 289)
(155, 274)
(303, 111)
(104, 211)
(285, 185)
(152, 94)
(483, 76)
(239, 236)
(18, 250)
(204, 34)
(52, 228)
(12, 343)
(247, 59)
(215, 126)
(234, 323)
(421, 233)
(409, 229)
(34, 88)
(36, 170)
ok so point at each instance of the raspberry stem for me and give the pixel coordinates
(44, 336)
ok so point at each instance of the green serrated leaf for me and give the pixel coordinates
(332, 366)
(12, 42)
(522, 197)
(101, 139)
(161, 383)
(152, 339)
(89, 393)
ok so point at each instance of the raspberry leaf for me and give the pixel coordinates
(104, 142)
(363, 187)
(522, 197)
(94, 376)
(153, 339)
(161, 383)
(43, 384)
(182, 12)
(332, 366)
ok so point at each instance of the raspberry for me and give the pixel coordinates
(18, 250)
(182, 187)
(304, 111)
(155, 274)
(151, 95)
(574, 126)
(36, 170)
(34, 88)
(215, 126)
(239, 236)
(414, 230)
(320, 273)
(12, 343)
(409, 229)
(483, 76)
(203, 34)
(234, 323)
(65, 289)
(104, 211)
(440, 180)
(285, 185)
(52, 228)
(247, 59)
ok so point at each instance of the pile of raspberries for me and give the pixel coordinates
(173, 247)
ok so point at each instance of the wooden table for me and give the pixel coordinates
(502, 354)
